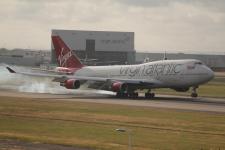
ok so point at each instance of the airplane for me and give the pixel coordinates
(125, 80)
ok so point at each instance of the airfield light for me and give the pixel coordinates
(129, 135)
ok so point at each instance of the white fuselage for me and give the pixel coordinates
(169, 73)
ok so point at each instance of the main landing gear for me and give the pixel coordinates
(194, 92)
(149, 95)
(127, 95)
(134, 95)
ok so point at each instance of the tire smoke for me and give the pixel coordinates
(22, 83)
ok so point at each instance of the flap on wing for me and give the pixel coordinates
(10, 70)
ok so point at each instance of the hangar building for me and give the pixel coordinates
(105, 46)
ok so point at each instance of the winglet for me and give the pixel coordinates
(10, 70)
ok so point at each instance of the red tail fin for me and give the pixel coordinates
(64, 55)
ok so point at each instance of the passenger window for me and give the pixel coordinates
(198, 63)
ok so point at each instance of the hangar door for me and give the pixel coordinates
(90, 48)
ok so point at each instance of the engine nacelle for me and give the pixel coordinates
(72, 84)
(119, 87)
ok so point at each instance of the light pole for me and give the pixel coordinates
(129, 135)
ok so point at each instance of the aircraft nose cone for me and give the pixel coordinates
(210, 74)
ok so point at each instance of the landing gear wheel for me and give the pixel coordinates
(136, 95)
(194, 95)
(194, 92)
(125, 95)
(153, 95)
(118, 94)
(149, 95)
(121, 95)
(133, 95)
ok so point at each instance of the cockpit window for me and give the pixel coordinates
(194, 64)
(198, 63)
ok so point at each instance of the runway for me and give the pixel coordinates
(161, 101)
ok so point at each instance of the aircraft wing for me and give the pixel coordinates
(62, 78)
(32, 73)
(110, 80)
(56, 77)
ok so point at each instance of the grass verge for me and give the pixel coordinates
(93, 125)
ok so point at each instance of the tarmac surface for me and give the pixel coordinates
(160, 101)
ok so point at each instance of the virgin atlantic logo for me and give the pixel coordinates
(63, 58)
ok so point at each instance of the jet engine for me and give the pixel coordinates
(71, 84)
(119, 87)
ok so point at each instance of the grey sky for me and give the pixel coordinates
(191, 26)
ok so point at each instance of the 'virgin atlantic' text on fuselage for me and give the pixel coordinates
(151, 70)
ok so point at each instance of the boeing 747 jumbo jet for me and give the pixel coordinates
(125, 80)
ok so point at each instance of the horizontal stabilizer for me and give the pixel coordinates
(10, 70)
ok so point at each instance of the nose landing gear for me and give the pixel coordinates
(194, 92)
(149, 95)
